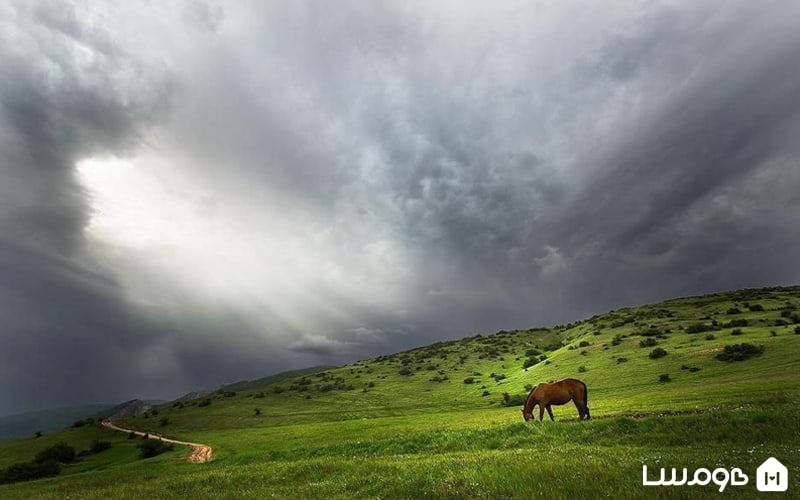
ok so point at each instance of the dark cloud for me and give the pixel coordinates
(319, 183)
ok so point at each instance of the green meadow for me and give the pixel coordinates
(444, 420)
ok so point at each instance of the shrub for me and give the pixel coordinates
(38, 434)
(648, 342)
(733, 310)
(498, 376)
(694, 369)
(226, 394)
(205, 402)
(257, 411)
(153, 447)
(735, 323)
(532, 352)
(699, 328)
(796, 330)
(740, 352)
(664, 377)
(469, 380)
(657, 353)
(529, 362)
(756, 307)
(60, 452)
(650, 332)
(584, 344)
(617, 340)
(581, 369)
(736, 332)
(485, 393)
(98, 446)
(164, 421)
(29, 470)
(622, 360)
(405, 372)
(514, 400)
(82, 422)
(710, 336)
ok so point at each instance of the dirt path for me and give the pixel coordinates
(200, 452)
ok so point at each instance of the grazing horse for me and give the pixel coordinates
(557, 393)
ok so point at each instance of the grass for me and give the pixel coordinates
(366, 430)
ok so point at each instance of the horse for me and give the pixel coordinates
(557, 393)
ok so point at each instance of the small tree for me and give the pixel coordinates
(657, 353)
(257, 411)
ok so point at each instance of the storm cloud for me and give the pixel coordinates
(195, 194)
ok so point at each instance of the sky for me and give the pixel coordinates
(194, 193)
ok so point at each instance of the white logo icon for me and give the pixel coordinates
(772, 476)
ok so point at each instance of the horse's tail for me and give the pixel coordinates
(586, 400)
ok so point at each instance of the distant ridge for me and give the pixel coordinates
(244, 385)
(53, 419)
(127, 409)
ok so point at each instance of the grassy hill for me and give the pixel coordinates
(443, 420)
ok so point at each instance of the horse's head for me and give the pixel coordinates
(527, 414)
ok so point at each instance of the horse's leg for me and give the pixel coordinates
(580, 408)
(550, 412)
(541, 412)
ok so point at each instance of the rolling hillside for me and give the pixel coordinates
(443, 420)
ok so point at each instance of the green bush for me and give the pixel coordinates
(153, 447)
(98, 446)
(29, 470)
(514, 400)
(59, 452)
(648, 342)
(740, 352)
(82, 422)
(736, 323)
(664, 377)
(529, 362)
(699, 328)
(736, 332)
(205, 402)
(581, 369)
(756, 307)
(469, 380)
(657, 353)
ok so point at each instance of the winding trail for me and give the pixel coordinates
(200, 452)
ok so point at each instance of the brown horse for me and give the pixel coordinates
(557, 393)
